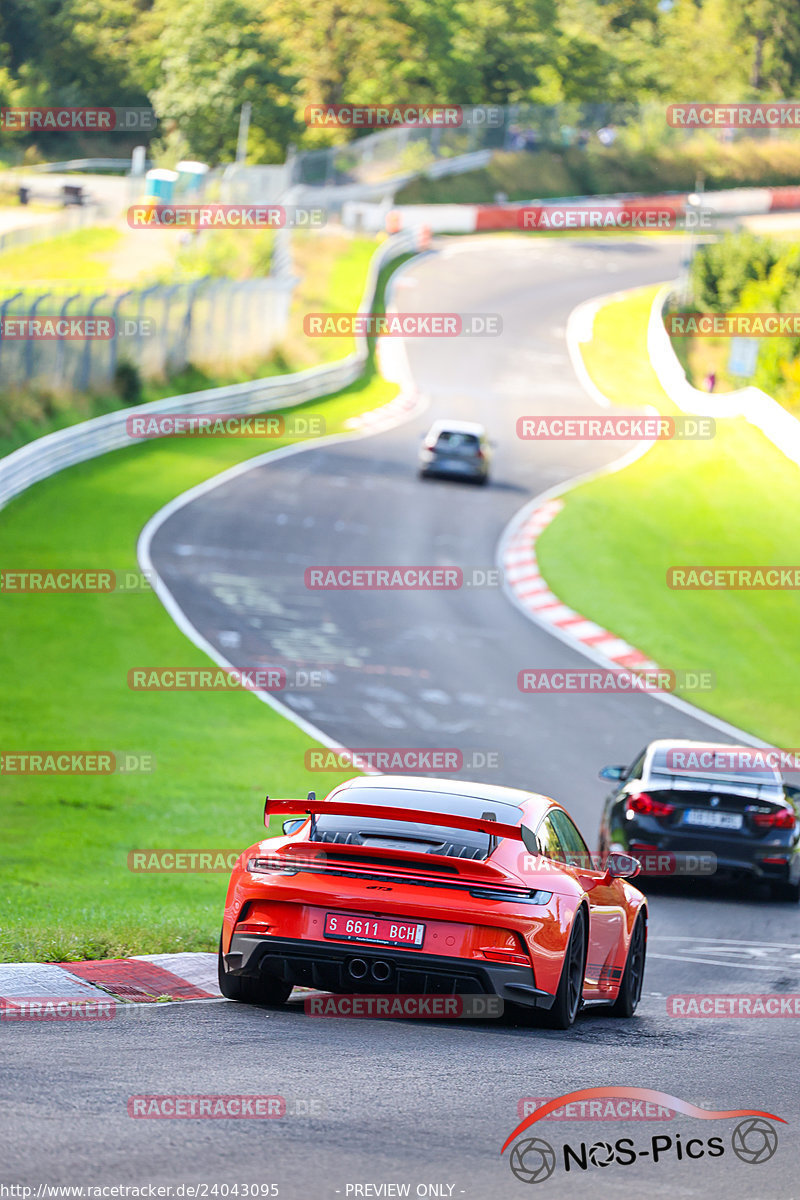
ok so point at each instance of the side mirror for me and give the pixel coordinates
(622, 866)
(293, 824)
(611, 772)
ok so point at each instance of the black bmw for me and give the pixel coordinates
(699, 808)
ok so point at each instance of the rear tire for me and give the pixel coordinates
(267, 990)
(569, 996)
(789, 893)
(630, 990)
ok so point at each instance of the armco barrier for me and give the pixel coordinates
(478, 218)
(89, 439)
(782, 429)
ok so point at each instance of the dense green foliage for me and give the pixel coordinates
(745, 273)
(196, 61)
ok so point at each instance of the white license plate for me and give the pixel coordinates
(712, 820)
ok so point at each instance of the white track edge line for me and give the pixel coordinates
(569, 485)
(155, 522)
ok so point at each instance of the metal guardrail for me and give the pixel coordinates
(89, 439)
(759, 409)
(86, 164)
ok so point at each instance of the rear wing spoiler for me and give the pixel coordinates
(486, 823)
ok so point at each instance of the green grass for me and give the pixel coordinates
(622, 373)
(729, 500)
(67, 892)
(660, 166)
(61, 261)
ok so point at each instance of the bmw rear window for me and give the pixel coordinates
(701, 763)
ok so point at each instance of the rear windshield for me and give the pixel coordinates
(701, 766)
(421, 837)
(460, 443)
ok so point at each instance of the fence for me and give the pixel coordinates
(158, 330)
(392, 154)
(89, 439)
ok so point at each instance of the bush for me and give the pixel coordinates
(128, 383)
(745, 273)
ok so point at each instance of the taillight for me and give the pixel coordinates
(480, 453)
(505, 956)
(646, 806)
(779, 818)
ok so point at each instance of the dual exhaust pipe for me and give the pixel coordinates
(379, 970)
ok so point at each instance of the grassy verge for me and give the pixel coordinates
(730, 500)
(83, 255)
(333, 271)
(67, 891)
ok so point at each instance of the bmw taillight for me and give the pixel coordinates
(645, 805)
(778, 818)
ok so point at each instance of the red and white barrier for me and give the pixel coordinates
(480, 218)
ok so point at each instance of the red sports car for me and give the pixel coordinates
(415, 886)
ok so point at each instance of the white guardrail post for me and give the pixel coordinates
(782, 429)
(52, 453)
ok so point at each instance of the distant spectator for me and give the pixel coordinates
(710, 381)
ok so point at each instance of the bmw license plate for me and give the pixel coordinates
(347, 927)
(712, 820)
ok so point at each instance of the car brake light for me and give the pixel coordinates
(253, 927)
(506, 956)
(271, 864)
(479, 453)
(646, 806)
(779, 818)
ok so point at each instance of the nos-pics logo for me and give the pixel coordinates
(754, 1140)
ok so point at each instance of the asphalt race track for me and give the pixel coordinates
(428, 1104)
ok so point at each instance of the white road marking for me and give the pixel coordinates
(715, 962)
(384, 717)
(726, 952)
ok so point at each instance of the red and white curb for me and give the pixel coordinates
(404, 405)
(106, 988)
(139, 979)
(530, 590)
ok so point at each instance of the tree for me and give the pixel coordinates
(212, 56)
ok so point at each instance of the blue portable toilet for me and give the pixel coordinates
(191, 179)
(160, 185)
